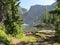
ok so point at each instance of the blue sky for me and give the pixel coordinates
(27, 3)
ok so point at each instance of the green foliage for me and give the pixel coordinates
(56, 19)
(46, 16)
(14, 29)
(2, 27)
(4, 38)
(3, 34)
(41, 35)
(19, 30)
(28, 39)
(57, 29)
(12, 20)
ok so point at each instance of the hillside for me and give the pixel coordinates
(36, 11)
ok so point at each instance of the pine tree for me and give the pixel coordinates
(56, 19)
(11, 19)
(46, 15)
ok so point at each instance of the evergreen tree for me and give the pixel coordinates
(56, 19)
(46, 15)
(11, 19)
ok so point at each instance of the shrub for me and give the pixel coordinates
(4, 38)
(14, 29)
(19, 31)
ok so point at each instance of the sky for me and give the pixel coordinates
(28, 3)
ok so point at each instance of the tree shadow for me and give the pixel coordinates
(21, 43)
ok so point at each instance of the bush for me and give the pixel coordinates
(4, 38)
(19, 31)
(14, 29)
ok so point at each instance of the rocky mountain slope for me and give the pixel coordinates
(36, 11)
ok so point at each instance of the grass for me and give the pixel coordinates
(56, 44)
(32, 38)
(41, 35)
(28, 39)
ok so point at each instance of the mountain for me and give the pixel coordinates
(35, 12)
(23, 10)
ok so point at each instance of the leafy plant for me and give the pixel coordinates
(4, 38)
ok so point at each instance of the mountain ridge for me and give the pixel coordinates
(36, 11)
